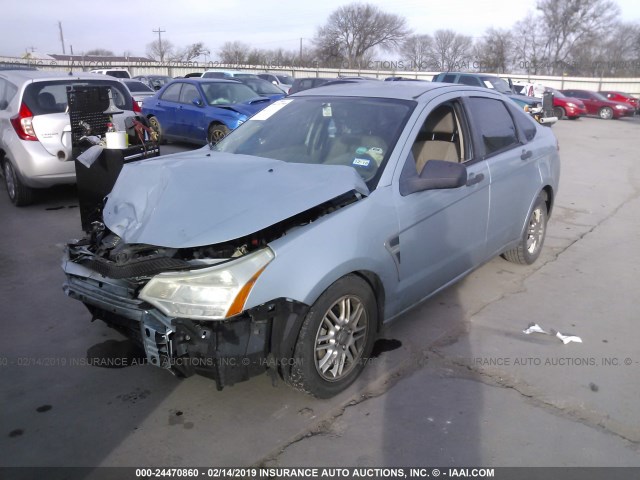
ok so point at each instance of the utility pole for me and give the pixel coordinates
(160, 32)
(61, 37)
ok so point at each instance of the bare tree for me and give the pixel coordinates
(160, 51)
(494, 53)
(416, 50)
(353, 30)
(450, 49)
(234, 52)
(529, 46)
(570, 24)
(190, 52)
(100, 52)
(623, 50)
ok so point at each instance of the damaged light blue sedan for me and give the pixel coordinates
(286, 246)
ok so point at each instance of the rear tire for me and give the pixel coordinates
(19, 194)
(154, 124)
(533, 236)
(335, 339)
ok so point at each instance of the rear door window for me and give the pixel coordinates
(494, 126)
(172, 93)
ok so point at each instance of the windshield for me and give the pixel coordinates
(218, 93)
(355, 132)
(496, 83)
(261, 87)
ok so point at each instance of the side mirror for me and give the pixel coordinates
(436, 175)
(157, 87)
(274, 82)
(197, 102)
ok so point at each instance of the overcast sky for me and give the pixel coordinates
(127, 25)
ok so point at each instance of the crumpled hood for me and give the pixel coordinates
(248, 108)
(204, 198)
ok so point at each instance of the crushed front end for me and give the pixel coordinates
(135, 289)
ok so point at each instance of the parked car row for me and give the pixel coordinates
(574, 103)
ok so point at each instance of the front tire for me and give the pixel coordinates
(606, 113)
(19, 194)
(154, 124)
(559, 112)
(335, 339)
(532, 239)
(216, 133)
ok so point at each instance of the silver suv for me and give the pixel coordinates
(35, 130)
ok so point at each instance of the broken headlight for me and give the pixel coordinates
(212, 293)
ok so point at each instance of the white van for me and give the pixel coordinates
(114, 72)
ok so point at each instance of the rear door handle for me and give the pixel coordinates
(475, 179)
(526, 154)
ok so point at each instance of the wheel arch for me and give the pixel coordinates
(548, 195)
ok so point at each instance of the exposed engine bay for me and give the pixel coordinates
(108, 275)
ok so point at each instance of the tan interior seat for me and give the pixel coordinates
(438, 138)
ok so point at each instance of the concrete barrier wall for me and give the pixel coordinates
(177, 69)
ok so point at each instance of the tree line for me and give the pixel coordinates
(560, 37)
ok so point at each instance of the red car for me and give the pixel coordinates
(622, 98)
(564, 106)
(600, 105)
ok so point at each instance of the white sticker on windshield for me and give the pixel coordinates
(488, 84)
(326, 110)
(363, 162)
(271, 109)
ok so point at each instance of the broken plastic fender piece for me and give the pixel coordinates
(535, 328)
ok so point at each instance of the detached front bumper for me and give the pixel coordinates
(228, 351)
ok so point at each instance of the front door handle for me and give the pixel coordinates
(475, 179)
(526, 154)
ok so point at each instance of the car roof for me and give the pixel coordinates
(233, 72)
(41, 75)
(399, 90)
(206, 80)
(470, 74)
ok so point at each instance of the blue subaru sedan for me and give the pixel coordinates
(201, 111)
